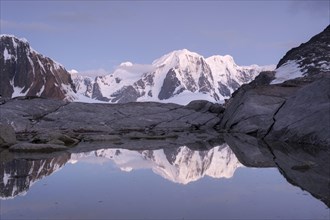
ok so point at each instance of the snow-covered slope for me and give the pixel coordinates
(310, 59)
(180, 77)
(180, 165)
(25, 72)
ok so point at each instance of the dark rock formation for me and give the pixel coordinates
(313, 57)
(171, 82)
(24, 72)
(7, 135)
(297, 110)
(46, 124)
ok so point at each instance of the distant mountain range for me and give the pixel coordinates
(179, 77)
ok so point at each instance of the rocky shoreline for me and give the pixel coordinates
(44, 125)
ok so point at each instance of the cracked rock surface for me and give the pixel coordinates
(295, 113)
(43, 124)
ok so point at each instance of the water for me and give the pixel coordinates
(176, 183)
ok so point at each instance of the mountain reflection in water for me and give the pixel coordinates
(305, 167)
(179, 165)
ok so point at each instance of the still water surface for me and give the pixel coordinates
(176, 183)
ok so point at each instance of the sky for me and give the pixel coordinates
(98, 35)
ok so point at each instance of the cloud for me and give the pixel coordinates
(30, 26)
(131, 69)
(136, 68)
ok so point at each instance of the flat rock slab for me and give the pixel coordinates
(31, 147)
(49, 125)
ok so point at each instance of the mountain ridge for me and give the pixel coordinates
(180, 74)
(25, 72)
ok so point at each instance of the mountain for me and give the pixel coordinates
(25, 72)
(180, 77)
(180, 165)
(290, 104)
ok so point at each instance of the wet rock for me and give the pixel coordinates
(31, 147)
(7, 135)
(101, 137)
(55, 138)
(50, 122)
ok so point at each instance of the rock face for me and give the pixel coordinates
(295, 110)
(49, 125)
(25, 72)
(7, 135)
(178, 77)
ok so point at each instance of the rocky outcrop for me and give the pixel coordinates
(7, 135)
(296, 110)
(25, 72)
(46, 125)
(312, 57)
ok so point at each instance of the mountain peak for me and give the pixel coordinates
(221, 59)
(2, 36)
(25, 72)
(175, 57)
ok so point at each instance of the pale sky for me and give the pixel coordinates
(89, 35)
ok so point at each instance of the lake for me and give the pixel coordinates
(170, 183)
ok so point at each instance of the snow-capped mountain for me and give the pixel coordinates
(180, 165)
(25, 72)
(310, 59)
(180, 77)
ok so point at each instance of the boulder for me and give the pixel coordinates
(7, 135)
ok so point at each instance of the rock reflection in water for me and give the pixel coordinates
(304, 166)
